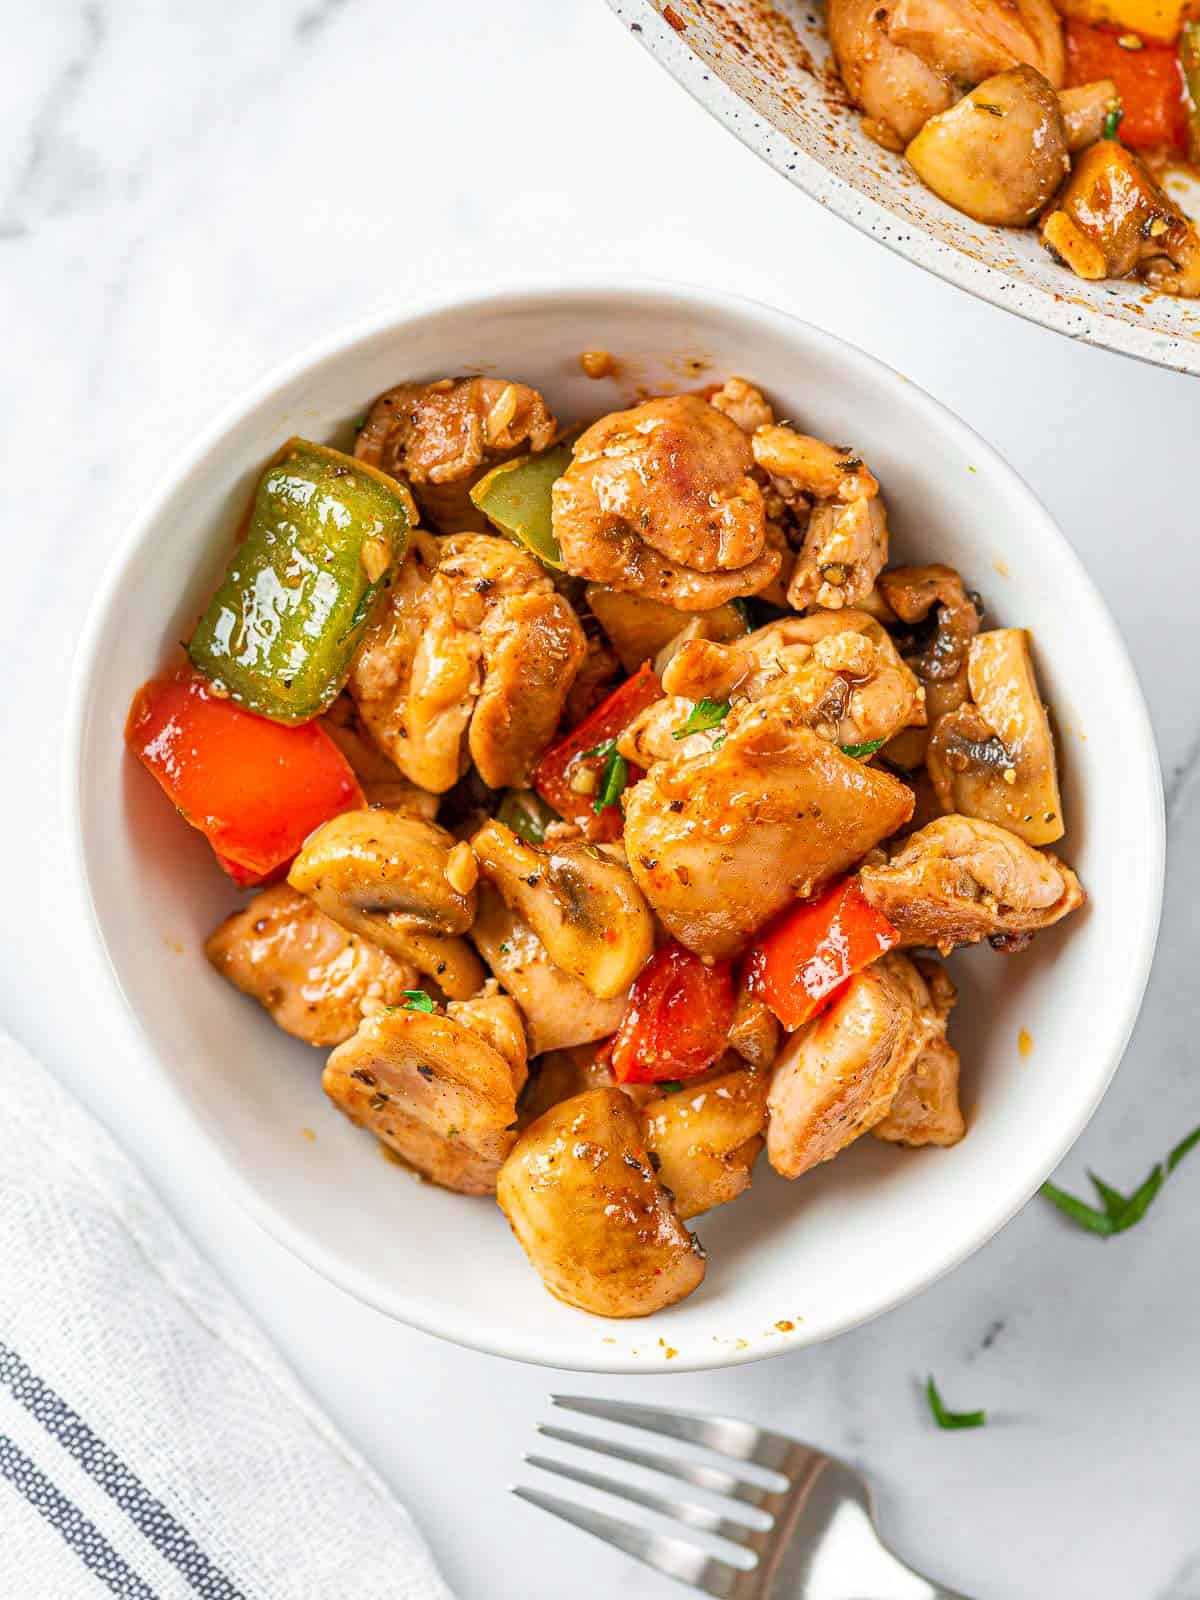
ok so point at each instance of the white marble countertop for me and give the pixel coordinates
(190, 194)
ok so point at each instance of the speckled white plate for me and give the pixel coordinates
(765, 72)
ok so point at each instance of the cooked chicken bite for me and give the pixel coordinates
(439, 1090)
(897, 89)
(837, 1076)
(959, 880)
(742, 403)
(584, 907)
(822, 471)
(754, 1031)
(472, 658)
(845, 547)
(317, 981)
(407, 885)
(704, 1140)
(1113, 219)
(559, 1010)
(582, 1197)
(661, 500)
(720, 842)
(560, 1074)
(381, 781)
(926, 1109)
(994, 757)
(972, 39)
(442, 437)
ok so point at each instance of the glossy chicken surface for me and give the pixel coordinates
(646, 808)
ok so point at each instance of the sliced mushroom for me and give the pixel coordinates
(1085, 108)
(837, 1076)
(560, 1074)
(845, 548)
(436, 1089)
(559, 1010)
(1000, 153)
(959, 880)
(704, 1140)
(584, 907)
(317, 981)
(994, 757)
(942, 620)
(754, 1031)
(441, 437)
(720, 842)
(583, 1200)
(391, 879)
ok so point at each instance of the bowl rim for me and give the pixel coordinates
(531, 293)
(912, 243)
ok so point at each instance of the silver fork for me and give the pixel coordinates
(799, 1525)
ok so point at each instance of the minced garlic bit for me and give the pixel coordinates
(376, 556)
(462, 869)
(1131, 41)
(598, 363)
(583, 780)
(501, 414)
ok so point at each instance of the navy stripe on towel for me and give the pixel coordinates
(148, 1514)
(82, 1536)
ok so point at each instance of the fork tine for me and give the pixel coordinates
(714, 1479)
(675, 1558)
(726, 1435)
(685, 1511)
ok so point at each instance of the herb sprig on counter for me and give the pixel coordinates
(1118, 1212)
(951, 1419)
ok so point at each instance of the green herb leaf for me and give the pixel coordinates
(670, 1086)
(417, 1000)
(526, 813)
(1120, 1211)
(1183, 1148)
(503, 949)
(861, 751)
(743, 610)
(612, 780)
(951, 1419)
(1112, 122)
(705, 714)
(1113, 1201)
(1079, 1211)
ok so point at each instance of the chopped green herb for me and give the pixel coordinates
(951, 1419)
(719, 740)
(861, 751)
(743, 610)
(417, 1000)
(359, 424)
(1112, 122)
(670, 1086)
(613, 778)
(1120, 1211)
(705, 714)
(503, 949)
(526, 813)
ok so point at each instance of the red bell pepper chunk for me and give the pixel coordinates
(677, 1018)
(1149, 80)
(254, 788)
(552, 775)
(810, 951)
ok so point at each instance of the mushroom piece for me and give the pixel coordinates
(582, 1198)
(661, 500)
(1000, 153)
(442, 437)
(959, 880)
(704, 1140)
(558, 1075)
(317, 981)
(559, 1010)
(1085, 108)
(584, 907)
(942, 620)
(407, 885)
(837, 1076)
(438, 1090)
(720, 842)
(994, 758)
(1112, 219)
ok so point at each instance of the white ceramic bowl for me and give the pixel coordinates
(761, 67)
(789, 1263)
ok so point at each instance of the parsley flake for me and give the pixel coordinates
(861, 751)
(671, 1086)
(417, 1000)
(951, 1419)
(1112, 122)
(705, 714)
(613, 777)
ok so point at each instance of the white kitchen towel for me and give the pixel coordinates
(152, 1443)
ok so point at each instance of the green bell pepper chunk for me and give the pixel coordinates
(324, 533)
(515, 497)
(527, 814)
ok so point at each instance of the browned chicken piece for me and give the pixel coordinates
(440, 1091)
(405, 884)
(1113, 219)
(822, 471)
(999, 154)
(559, 1010)
(994, 757)
(560, 1074)
(442, 437)
(584, 907)
(926, 1108)
(582, 1197)
(944, 619)
(704, 1140)
(973, 39)
(897, 89)
(317, 981)
(959, 880)
(837, 1076)
(472, 658)
(660, 500)
(742, 403)
(720, 842)
(382, 782)
(754, 1031)
(845, 548)
(1085, 108)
